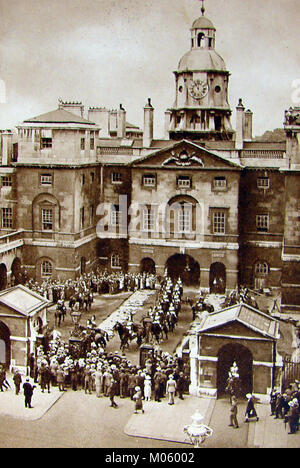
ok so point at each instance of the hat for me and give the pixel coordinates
(137, 389)
(248, 395)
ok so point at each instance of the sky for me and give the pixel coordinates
(107, 52)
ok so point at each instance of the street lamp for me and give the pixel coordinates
(197, 431)
(76, 332)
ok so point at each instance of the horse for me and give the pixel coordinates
(87, 301)
(101, 337)
(124, 334)
(156, 330)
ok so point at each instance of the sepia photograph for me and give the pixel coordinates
(149, 226)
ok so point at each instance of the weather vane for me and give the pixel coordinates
(202, 8)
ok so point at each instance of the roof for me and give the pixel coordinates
(202, 59)
(23, 300)
(245, 314)
(178, 143)
(59, 116)
(203, 23)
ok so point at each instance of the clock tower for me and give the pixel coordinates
(201, 110)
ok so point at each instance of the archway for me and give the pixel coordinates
(217, 278)
(16, 271)
(147, 265)
(3, 276)
(4, 345)
(185, 267)
(227, 355)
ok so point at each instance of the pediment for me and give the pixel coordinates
(236, 328)
(185, 155)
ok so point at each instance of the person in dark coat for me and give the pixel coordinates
(250, 409)
(112, 393)
(17, 378)
(273, 399)
(28, 392)
(181, 385)
(293, 416)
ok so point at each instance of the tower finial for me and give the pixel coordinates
(202, 8)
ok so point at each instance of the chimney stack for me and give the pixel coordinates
(121, 122)
(240, 117)
(168, 116)
(6, 144)
(101, 116)
(248, 125)
(76, 108)
(148, 124)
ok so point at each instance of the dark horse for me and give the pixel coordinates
(126, 336)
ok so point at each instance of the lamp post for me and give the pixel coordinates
(197, 431)
(76, 335)
(76, 332)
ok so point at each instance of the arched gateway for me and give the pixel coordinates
(3, 276)
(4, 345)
(185, 267)
(147, 265)
(227, 355)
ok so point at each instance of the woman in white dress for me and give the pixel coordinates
(147, 388)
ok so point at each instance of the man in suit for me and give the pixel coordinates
(28, 392)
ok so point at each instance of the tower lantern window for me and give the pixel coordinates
(201, 40)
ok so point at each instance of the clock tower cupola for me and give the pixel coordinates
(201, 110)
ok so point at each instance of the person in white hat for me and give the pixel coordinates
(138, 399)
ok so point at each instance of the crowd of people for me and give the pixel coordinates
(108, 374)
(100, 281)
(285, 405)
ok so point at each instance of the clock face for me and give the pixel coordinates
(198, 89)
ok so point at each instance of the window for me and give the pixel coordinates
(263, 182)
(92, 143)
(219, 220)
(184, 182)
(6, 181)
(116, 216)
(220, 183)
(7, 218)
(82, 179)
(149, 180)
(92, 177)
(82, 217)
(262, 222)
(116, 178)
(184, 220)
(82, 143)
(92, 211)
(46, 269)
(46, 143)
(46, 179)
(148, 219)
(115, 261)
(261, 268)
(47, 219)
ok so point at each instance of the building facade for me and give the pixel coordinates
(207, 202)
